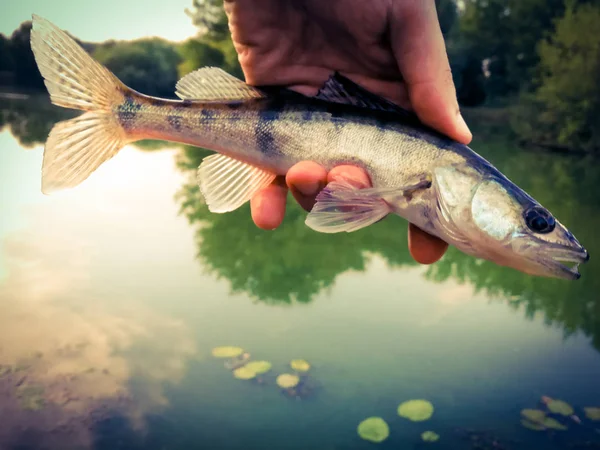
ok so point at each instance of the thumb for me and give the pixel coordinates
(420, 53)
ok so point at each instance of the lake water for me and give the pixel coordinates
(113, 295)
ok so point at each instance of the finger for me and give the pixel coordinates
(350, 173)
(268, 205)
(425, 248)
(305, 180)
(420, 51)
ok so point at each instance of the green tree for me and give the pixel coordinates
(26, 70)
(504, 34)
(213, 39)
(146, 65)
(567, 102)
(7, 62)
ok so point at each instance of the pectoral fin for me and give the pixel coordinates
(227, 183)
(342, 206)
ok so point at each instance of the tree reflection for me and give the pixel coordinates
(294, 263)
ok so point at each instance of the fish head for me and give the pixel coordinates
(486, 215)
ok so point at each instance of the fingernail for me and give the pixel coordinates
(461, 126)
(308, 189)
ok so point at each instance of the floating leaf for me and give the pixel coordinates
(258, 367)
(300, 365)
(553, 424)
(592, 413)
(430, 436)
(534, 415)
(373, 429)
(559, 407)
(532, 426)
(227, 352)
(243, 373)
(287, 381)
(416, 410)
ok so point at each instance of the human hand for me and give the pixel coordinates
(392, 48)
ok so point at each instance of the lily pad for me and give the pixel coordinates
(553, 424)
(430, 436)
(534, 415)
(243, 373)
(287, 381)
(560, 407)
(258, 367)
(227, 352)
(373, 429)
(300, 365)
(532, 425)
(592, 413)
(416, 410)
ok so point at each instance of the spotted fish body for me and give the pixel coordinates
(434, 182)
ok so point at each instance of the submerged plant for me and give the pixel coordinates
(373, 429)
(300, 365)
(287, 380)
(430, 436)
(227, 352)
(31, 397)
(416, 410)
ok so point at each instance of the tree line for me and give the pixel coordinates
(539, 59)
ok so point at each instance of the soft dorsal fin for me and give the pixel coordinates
(339, 89)
(212, 83)
(227, 183)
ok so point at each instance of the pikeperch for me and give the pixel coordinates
(441, 186)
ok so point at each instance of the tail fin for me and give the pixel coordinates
(76, 148)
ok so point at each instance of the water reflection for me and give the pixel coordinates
(69, 345)
(294, 263)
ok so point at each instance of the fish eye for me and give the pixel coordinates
(539, 220)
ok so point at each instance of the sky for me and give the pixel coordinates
(97, 21)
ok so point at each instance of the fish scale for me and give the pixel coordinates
(439, 185)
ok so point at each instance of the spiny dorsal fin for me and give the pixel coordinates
(212, 83)
(227, 183)
(339, 89)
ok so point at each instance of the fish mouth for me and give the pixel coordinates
(565, 261)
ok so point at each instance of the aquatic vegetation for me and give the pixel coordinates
(430, 436)
(287, 381)
(532, 425)
(592, 413)
(553, 424)
(300, 365)
(31, 397)
(258, 367)
(227, 352)
(559, 407)
(534, 415)
(416, 410)
(243, 373)
(373, 429)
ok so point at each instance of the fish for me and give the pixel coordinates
(258, 133)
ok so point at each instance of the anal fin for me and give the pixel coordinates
(227, 183)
